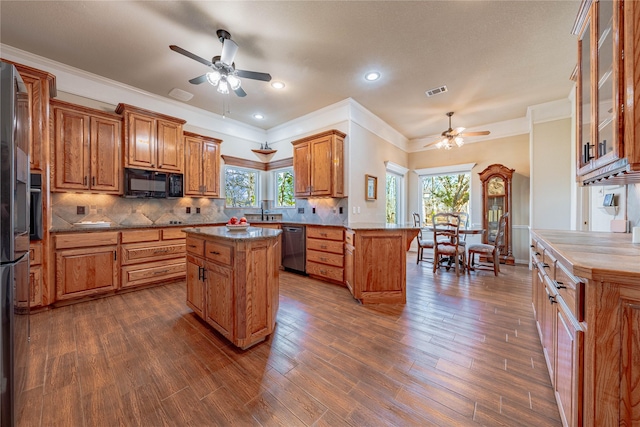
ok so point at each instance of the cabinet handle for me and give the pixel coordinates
(115, 256)
(323, 271)
(552, 299)
(323, 246)
(84, 181)
(323, 259)
(192, 246)
(537, 253)
(545, 265)
(559, 285)
(532, 246)
(93, 181)
(160, 165)
(214, 253)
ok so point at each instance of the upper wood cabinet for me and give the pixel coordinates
(496, 200)
(608, 91)
(318, 165)
(152, 140)
(87, 149)
(202, 165)
(41, 86)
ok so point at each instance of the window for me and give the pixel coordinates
(241, 187)
(393, 198)
(444, 193)
(284, 188)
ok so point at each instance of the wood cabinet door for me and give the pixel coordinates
(35, 284)
(257, 305)
(140, 142)
(85, 271)
(302, 170)
(169, 146)
(630, 359)
(548, 318)
(569, 350)
(105, 155)
(195, 286)
(211, 169)
(349, 267)
(219, 311)
(338, 167)
(321, 166)
(35, 90)
(193, 166)
(71, 150)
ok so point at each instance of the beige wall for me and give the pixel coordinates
(512, 152)
(367, 154)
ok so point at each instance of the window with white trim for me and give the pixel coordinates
(241, 187)
(283, 179)
(444, 190)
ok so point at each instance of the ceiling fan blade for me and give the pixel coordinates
(198, 80)
(229, 50)
(265, 77)
(433, 142)
(240, 92)
(457, 131)
(190, 55)
(479, 133)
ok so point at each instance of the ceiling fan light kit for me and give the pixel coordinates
(225, 76)
(454, 137)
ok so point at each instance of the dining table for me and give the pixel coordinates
(467, 231)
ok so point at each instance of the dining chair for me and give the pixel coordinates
(490, 252)
(464, 224)
(422, 242)
(446, 238)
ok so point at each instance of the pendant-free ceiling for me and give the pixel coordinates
(454, 137)
(223, 74)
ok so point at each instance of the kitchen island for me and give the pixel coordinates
(376, 261)
(232, 280)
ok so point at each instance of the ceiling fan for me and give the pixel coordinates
(454, 137)
(224, 74)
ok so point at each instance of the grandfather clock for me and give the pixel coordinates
(496, 200)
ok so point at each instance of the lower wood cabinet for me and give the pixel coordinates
(232, 284)
(86, 264)
(35, 274)
(591, 321)
(325, 253)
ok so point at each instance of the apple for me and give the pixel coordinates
(243, 220)
(233, 220)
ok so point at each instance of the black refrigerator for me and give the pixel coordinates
(14, 241)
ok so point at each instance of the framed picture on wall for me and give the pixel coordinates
(370, 187)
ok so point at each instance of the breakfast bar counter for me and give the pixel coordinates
(232, 280)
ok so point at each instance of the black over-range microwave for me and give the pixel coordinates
(150, 184)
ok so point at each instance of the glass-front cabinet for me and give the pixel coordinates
(606, 94)
(496, 200)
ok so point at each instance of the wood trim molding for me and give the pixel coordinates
(196, 135)
(252, 164)
(243, 163)
(279, 164)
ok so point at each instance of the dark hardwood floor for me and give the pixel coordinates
(462, 351)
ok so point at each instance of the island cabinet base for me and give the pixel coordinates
(232, 282)
(376, 264)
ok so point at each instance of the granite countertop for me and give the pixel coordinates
(595, 255)
(251, 233)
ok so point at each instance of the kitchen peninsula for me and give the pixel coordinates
(232, 280)
(376, 263)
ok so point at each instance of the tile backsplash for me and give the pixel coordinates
(121, 211)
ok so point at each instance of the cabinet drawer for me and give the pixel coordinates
(549, 263)
(349, 238)
(136, 236)
(35, 253)
(326, 271)
(140, 274)
(195, 246)
(325, 246)
(325, 258)
(79, 240)
(218, 253)
(572, 292)
(136, 253)
(173, 233)
(325, 233)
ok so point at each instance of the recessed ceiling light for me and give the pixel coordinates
(258, 116)
(277, 85)
(372, 76)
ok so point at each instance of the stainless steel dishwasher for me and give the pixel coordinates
(294, 248)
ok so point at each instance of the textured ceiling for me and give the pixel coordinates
(496, 57)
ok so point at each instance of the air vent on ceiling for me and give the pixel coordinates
(180, 94)
(436, 90)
